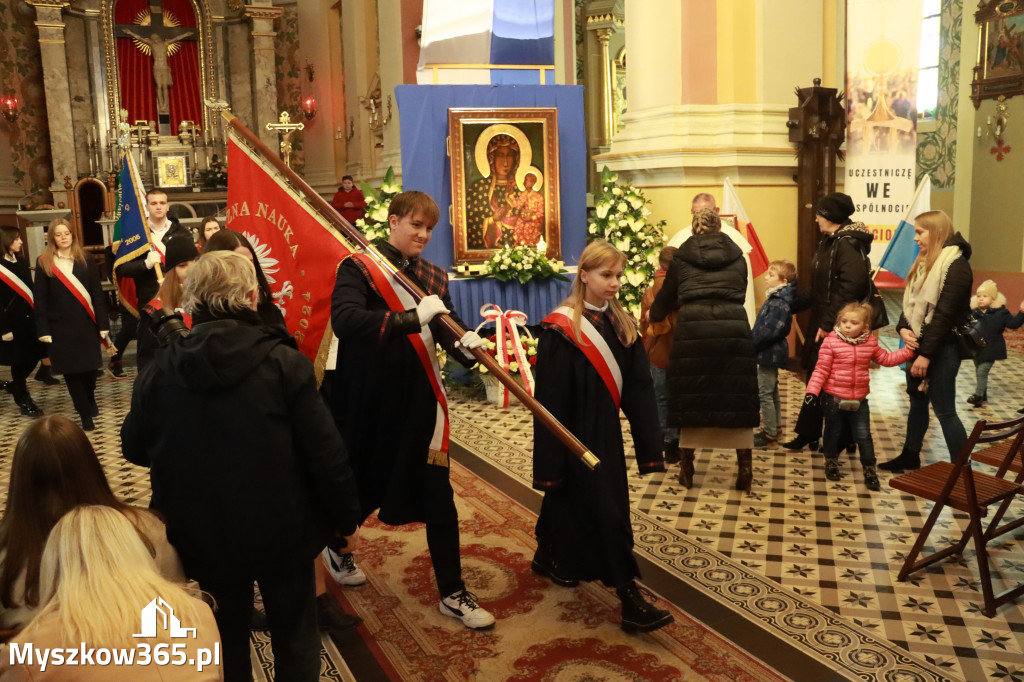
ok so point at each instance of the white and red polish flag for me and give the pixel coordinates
(297, 248)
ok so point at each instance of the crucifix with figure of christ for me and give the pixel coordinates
(161, 40)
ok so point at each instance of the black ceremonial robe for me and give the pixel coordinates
(584, 522)
(382, 400)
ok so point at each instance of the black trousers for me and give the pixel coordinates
(82, 388)
(20, 372)
(289, 598)
(129, 332)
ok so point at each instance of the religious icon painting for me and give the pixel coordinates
(505, 189)
(1000, 68)
(171, 170)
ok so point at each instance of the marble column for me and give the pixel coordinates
(50, 22)
(361, 55)
(264, 72)
(315, 27)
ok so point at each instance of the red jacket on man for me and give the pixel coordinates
(843, 367)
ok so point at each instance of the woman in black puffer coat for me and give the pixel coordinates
(839, 275)
(712, 371)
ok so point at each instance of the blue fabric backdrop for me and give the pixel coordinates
(426, 167)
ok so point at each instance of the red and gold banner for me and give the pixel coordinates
(298, 251)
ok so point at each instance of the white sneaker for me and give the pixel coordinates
(462, 605)
(342, 568)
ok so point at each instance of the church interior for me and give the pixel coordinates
(755, 102)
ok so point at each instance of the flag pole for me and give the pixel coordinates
(349, 232)
(888, 247)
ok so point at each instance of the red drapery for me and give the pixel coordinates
(135, 68)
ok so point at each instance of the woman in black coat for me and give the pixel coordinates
(712, 371)
(936, 301)
(839, 275)
(71, 316)
(19, 345)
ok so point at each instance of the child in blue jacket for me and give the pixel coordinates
(770, 331)
(989, 306)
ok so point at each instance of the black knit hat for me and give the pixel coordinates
(835, 207)
(179, 250)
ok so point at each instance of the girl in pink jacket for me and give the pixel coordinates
(842, 378)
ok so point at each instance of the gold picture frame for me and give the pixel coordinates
(172, 170)
(505, 185)
(1000, 68)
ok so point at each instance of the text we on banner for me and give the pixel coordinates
(882, 46)
(298, 252)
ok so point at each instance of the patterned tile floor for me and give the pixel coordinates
(831, 550)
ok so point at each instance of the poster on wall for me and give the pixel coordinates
(882, 46)
(505, 189)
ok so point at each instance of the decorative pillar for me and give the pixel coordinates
(50, 23)
(604, 37)
(361, 56)
(264, 71)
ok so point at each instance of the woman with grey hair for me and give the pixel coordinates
(712, 371)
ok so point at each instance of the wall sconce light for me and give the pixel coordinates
(310, 94)
(995, 126)
(9, 107)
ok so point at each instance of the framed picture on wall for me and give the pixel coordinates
(1000, 68)
(171, 170)
(505, 188)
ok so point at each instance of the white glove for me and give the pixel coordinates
(46, 339)
(429, 308)
(104, 335)
(152, 258)
(9, 336)
(470, 341)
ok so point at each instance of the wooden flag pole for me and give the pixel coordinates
(349, 232)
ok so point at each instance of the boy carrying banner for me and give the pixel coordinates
(389, 403)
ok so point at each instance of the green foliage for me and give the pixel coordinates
(375, 222)
(522, 263)
(620, 217)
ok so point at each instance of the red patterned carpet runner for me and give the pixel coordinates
(544, 632)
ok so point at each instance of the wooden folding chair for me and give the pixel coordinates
(957, 485)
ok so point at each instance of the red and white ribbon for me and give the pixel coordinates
(594, 347)
(398, 299)
(15, 282)
(78, 290)
(506, 328)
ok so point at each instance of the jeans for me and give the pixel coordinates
(942, 395)
(857, 421)
(660, 377)
(981, 370)
(768, 393)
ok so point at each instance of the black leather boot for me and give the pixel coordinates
(686, 467)
(672, 452)
(908, 459)
(45, 375)
(24, 401)
(745, 476)
(543, 564)
(639, 615)
(799, 442)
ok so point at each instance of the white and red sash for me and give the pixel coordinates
(398, 299)
(594, 347)
(76, 288)
(15, 282)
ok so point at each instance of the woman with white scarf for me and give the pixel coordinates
(936, 301)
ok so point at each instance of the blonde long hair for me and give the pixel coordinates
(46, 258)
(939, 228)
(597, 255)
(97, 576)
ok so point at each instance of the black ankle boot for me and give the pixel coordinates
(639, 615)
(745, 476)
(672, 452)
(543, 564)
(799, 442)
(45, 375)
(686, 467)
(908, 459)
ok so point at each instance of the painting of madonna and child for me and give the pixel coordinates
(504, 180)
